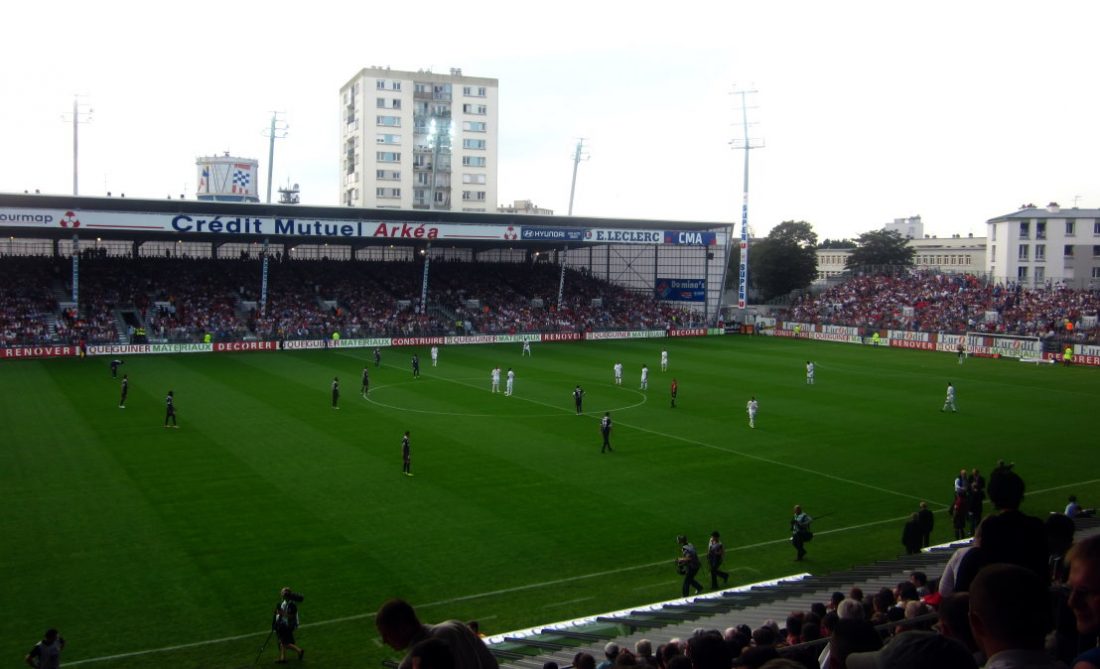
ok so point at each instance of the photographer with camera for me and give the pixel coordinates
(800, 531)
(688, 565)
(285, 622)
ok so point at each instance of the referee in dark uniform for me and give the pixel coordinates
(406, 456)
(578, 398)
(125, 389)
(366, 382)
(416, 366)
(335, 392)
(170, 408)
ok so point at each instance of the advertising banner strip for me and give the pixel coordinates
(338, 228)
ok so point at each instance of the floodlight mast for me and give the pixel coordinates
(278, 130)
(578, 156)
(78, 117)
(745, 144)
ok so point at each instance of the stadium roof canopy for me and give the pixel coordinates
(60, 217)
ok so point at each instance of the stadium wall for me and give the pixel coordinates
(25, 352)
(981, 345)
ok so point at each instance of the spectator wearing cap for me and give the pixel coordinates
(1010, 615)
(915, 650)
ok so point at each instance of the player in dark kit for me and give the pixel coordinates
(335, 392)
(578, 398)
(366, 382)
(125, 389)
(170, 408)
(605, 430)
(115, 364)
(406, 456)
(672, 390)
(377, 356)
(416, 366)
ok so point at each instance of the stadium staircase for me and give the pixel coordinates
(121, 327)
(749, 605)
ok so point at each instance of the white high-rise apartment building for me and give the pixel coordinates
(418, 140)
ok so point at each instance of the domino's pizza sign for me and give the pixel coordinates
(681, 290)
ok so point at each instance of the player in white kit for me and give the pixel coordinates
(645, 377)
(751, 409)
(618, 373)
(435, 356)
(664, 361)
(950, 400)
(809, 373)
(495, 376)
(510, 382)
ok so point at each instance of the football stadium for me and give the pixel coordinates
(213, 409)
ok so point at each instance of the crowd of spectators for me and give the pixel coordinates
(188, 300)
(953, 303)
(27, 304)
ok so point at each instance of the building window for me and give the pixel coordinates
(993, 253)
(1095, 251)
(1041, 230)
(1069, 251)
(389, 121)
(1096, 272)
(388, 156)
(473, 196)
(1040, 274)
(1096, 228)
(1021, 273)
(993, 233)
(1070, 225)
(473, 144)
(1025, 230)
(475, 109)
(473, 92)
(473, 126)
(1023, 253)
(387, 175)
(1040, 252)
(473, 161)
(349, 197)
(388, 193)
(473, 178)
(380, 84)
(384, 138)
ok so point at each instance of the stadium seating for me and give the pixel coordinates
(183, 300)
(952, 303)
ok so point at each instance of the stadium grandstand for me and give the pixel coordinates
(934, 302)
(118, 271)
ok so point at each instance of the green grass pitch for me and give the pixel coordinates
(131, 538)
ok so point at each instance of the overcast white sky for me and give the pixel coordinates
(870, 111)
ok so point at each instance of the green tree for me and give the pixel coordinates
(785, 260)
(879, 248)
(837, 244)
